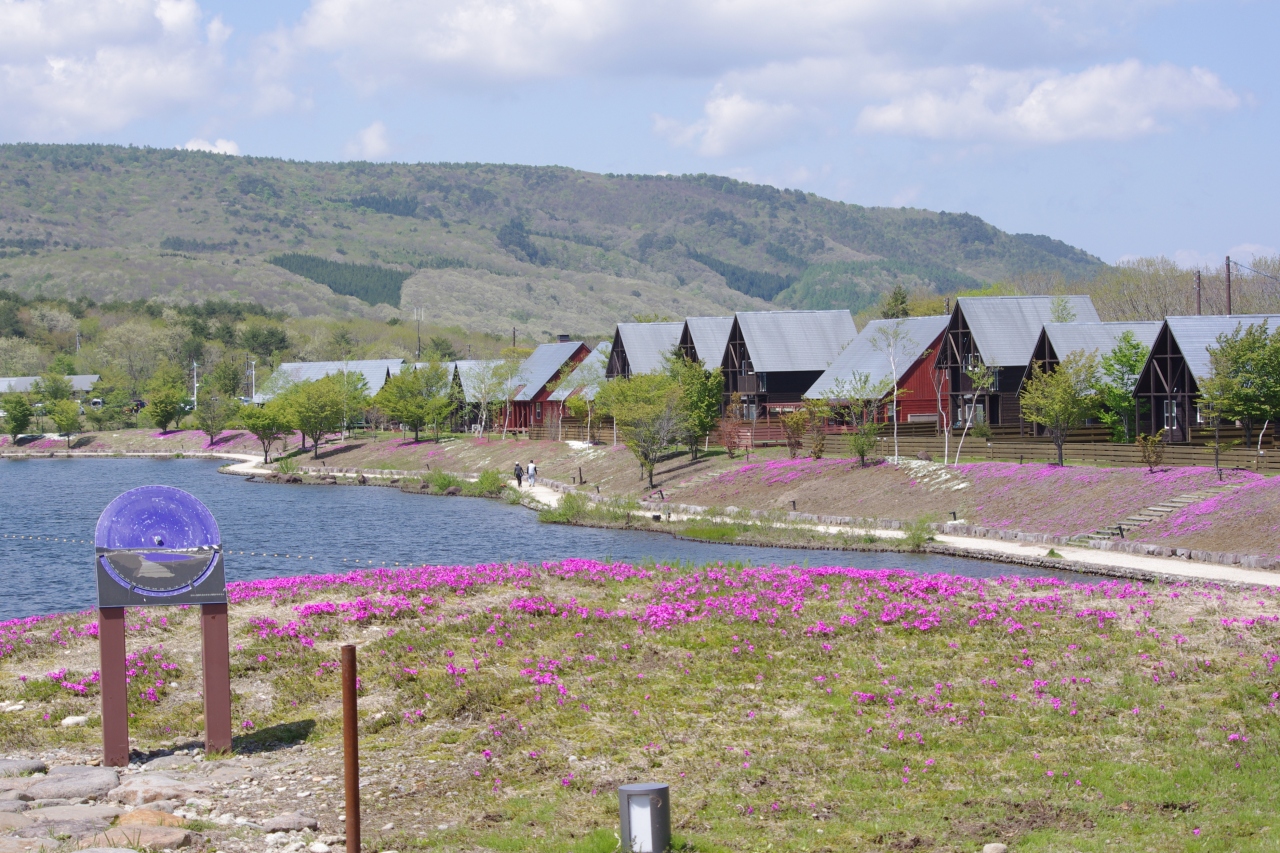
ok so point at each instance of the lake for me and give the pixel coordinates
(332, 529)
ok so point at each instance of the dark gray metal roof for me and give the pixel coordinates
(80, 383)
(862, 357)
(710, 336)
(374, 371)
(781, 341)
(541, 367)
(647, 343)
(1194, 335)
(1006, 328)
(1098, 337)
(468, 372)
(586, 377)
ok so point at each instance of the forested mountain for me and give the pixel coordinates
(478, 246)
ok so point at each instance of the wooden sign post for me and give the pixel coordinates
(157, 545)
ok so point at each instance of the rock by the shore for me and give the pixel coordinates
(150, 787)
(291, 822)
(21, 767)
(75, 783)
(150, 817)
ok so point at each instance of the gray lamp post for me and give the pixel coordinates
(644, 810)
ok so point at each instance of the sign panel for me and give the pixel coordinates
(158, 545)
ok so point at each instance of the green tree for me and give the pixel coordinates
(416, 397)
(264, 340)
(1061, 311)
(1246, 363)
(895, 304)
(441, 348)
(1062, 399)
(646, 409)
(17, 415)
(268, 424)
(52, 388)
(66, 416)
(216, 411)
(896, 343)
(166, 396)
(227, 377)
(701, 392)
(1121, 367)
(316, 409)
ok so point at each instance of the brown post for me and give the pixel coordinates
(350, 748)
(115, 693)
(215, 654)
(1228, 285)
(1198, 293)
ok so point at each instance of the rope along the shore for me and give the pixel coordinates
(229, 553)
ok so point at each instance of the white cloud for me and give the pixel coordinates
(71, 67)
(221, 146)
(370, 143)
(733, 124)
(1116, 101)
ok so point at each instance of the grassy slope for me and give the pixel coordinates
(90, 220)
(801, 709)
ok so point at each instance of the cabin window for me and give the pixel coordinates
(1199, 415)
(1170, 414)
(537, 411)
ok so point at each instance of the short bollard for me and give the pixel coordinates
(644, 810)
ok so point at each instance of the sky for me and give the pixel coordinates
(1124, 127)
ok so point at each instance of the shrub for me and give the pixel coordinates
(573, 508)
(863, 442)
(918, 532)
(489, 485)
(1152, 449)
(715, 531)
(440, 481)
(287, 465)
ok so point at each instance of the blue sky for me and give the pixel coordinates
(1129, 127)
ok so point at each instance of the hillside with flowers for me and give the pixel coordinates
(805, 708)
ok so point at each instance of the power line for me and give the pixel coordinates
(1255, 272)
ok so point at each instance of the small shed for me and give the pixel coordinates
(1001, 333)
(704, 339)
(530, 397)
(919, 392)
(1179, 362)
(774, 357)
(640, 348)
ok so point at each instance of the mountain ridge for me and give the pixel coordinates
(547, 249)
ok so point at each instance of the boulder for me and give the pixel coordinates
(162, 806)
(169, 762)
(149, 787)
(149, 837)
(995, 848)
(20, 767)
(16, 794)
(74, 720)
(28, 845)
(75, 783)
(453, 491)
(11, 820)
(291, 822)
(150, 817)
(56, 813)
(12, 806)
(62, 828)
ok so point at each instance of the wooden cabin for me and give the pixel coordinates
(640, 348)
(704, 339)
(921, 391)
(1179, 361)
(774, 357)
(1001, 333)
(530, 403)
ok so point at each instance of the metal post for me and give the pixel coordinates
(350, 748)
(1228, 285)
(216, 658)
(115, 693)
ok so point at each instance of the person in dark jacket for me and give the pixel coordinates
(519, 476)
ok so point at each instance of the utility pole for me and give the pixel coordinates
(417, 316)
(1197, 293)
(1228, 285)
(513, 337)
(253, 380)
(195, 386)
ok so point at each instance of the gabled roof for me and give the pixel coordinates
(375, 371)
(577, 381)
(645, 344)
(781, 341)
(1194, 335)
(1098, 337)
(468, 372)
(80, 383)
(710, 336)
(1005, 328)
(542, 366)
(862, 357)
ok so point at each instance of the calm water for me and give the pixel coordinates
(61, 499)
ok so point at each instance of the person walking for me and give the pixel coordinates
(520, 476)
(533, 474)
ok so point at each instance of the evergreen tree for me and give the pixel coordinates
(895, 304)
